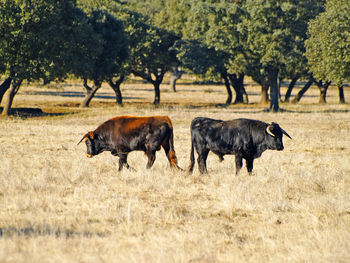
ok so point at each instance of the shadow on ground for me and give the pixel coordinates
(77, 94)
(34, 112)
(46, 230)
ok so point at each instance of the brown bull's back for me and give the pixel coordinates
(124, 125)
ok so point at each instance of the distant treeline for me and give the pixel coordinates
(108, 40)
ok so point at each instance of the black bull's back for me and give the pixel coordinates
(246, 139)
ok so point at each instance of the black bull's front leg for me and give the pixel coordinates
(249, 163)
(239, 163)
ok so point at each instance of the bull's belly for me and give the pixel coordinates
(221, 150)
(125, 149)
(231, 150)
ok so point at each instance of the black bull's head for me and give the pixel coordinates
(276, 132)
(274, 126)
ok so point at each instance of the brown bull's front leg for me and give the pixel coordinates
(123, 161)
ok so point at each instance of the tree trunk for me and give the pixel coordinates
(175, 74)
(4, 87)
(10, 94)
(86, 86)
(90, 94)
(116, 87)
(273, 75)
(341, 94)
(279, 81)
(323, 95)
(290, 88)
(224, 76)
(323, 87)
(156, 85)
(46, 81)
(300, 94)
(264, 91)
(238, 85)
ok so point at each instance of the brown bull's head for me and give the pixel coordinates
(90, 144)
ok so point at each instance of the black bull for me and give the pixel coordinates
(246, 139)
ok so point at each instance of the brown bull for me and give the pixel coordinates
(124, 134)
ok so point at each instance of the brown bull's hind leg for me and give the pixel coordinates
(170, 154)
(151, 158)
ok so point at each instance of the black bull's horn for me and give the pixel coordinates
(268, 130)
(285, 133)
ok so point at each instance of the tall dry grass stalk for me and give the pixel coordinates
(56, 205)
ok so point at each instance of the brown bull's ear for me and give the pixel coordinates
(269, 130)
(86, 136)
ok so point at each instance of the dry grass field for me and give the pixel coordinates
(56, 205)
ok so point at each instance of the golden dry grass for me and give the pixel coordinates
(56, 205)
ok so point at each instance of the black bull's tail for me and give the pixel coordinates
(192, 162)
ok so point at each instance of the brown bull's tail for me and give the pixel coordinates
(171, 155)
(192, 162)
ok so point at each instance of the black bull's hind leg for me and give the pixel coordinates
(202, 160)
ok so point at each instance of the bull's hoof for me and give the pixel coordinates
(131, 169)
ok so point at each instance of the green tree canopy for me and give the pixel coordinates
(148, 45)
(108, 59)
(276, 32)
(150, 54)
(328, 45)
(39, 39)
(153, 57)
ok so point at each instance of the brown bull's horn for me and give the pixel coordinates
(268, 130)
(84, 137)
(285, 133)
(89, 134)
